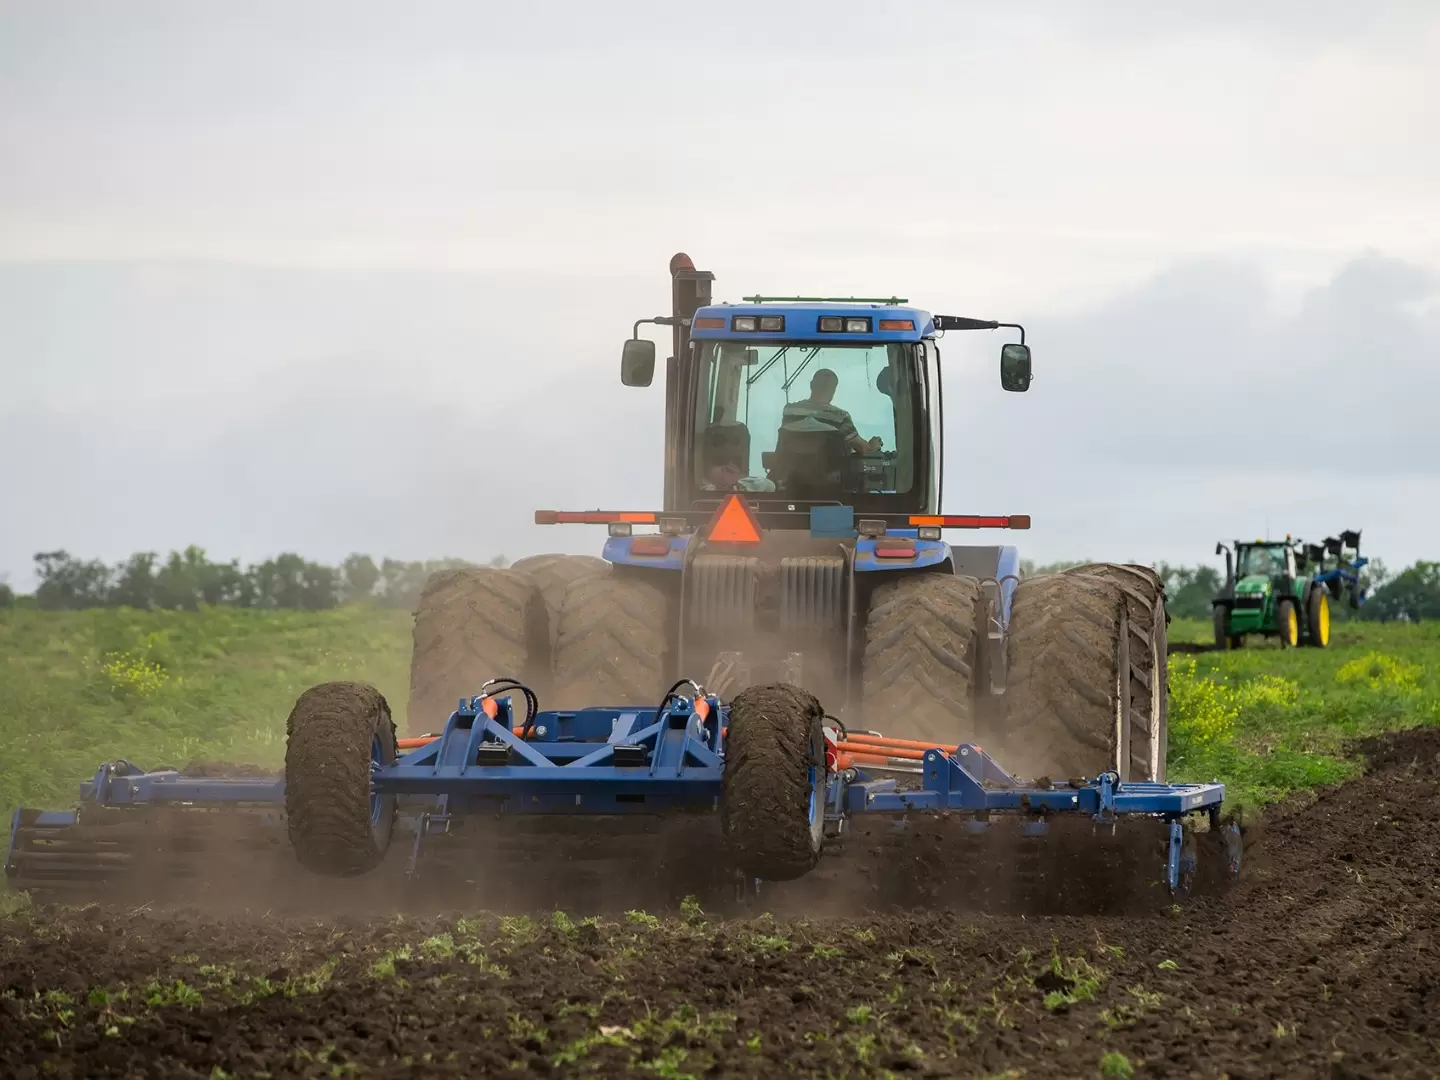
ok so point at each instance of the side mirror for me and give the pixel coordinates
(1219, 548)
(1015, 367)
(637, 362)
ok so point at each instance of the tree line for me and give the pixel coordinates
(184, 580)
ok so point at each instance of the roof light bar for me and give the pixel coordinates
(593, 517)
(971, 521)
(844, 324)
(825, 299)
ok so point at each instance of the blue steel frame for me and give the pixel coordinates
(626, 761)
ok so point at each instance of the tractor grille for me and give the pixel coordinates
(722, 592)
(812, 592)
(1250, 602)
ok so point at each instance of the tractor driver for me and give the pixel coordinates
(818, 407)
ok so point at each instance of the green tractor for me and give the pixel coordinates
(1282, 588)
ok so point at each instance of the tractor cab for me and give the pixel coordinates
(805, 401)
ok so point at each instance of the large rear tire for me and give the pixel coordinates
(1287, 623)
(1317, 618)
(552, 575)
(471, 626)
(1223, 640)
(917, 671)
(335, 733)
(1149, 677)
(1064, 684)
(612, 643)
(772, 812)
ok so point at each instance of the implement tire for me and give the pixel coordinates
(1317, 618)
(772, 812)
(471, 626)
(917, 672)
(1149, 672)
(333, 735)
(1063, 682)
(552, 575)
(612, 643)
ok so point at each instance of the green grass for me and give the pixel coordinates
(1270, 721)
(167, 688)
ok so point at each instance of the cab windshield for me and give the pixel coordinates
(1262, 561)
(808, 421)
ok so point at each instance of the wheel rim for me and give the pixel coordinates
(1323, 627)
(1292, 626)
(377, 760)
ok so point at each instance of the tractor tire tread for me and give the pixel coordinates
(611, 644)
(327, 777)
(775, 738)
(471, 625)
(919, 656)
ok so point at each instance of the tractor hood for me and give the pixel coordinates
(1252, 585)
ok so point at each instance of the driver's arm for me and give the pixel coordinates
(853, 438)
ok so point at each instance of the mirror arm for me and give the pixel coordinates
(1014, 326)
(658, 320)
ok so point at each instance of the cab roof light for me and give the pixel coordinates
(744, 324)
(709, 322)
(871, 528)
(674, 526)
(971, 521)
(889, 300)
(593, 517)
(620, 528)
(772, 322)
(844, 324)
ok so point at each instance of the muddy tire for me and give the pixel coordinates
(552, 575)
(612, 643)
(333, 735)
(772, 812)
(917, 672)
(472, 625)
(1064, 686)
(1149, 672)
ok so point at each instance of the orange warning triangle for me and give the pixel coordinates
(735, 524)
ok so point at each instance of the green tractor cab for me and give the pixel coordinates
(1282, 589)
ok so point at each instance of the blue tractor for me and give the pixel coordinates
(797, 557)
(800, 540)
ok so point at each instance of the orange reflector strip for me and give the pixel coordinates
(735, 524)
(593, 517)
(897, 324)
(972, 521)
(709, 323)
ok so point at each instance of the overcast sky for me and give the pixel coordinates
(354, 276)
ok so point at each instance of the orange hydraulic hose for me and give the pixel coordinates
(426, 740)
(908, 744)
(879, 752)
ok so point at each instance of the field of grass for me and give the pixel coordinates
(167, 688)
(1270, 721)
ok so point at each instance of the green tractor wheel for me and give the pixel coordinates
(1317, 618)
(1287, 622)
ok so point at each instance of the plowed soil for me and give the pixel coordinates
(1322, 961)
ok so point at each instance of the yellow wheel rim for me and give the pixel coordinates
(1323, 623)
(1292, 627)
